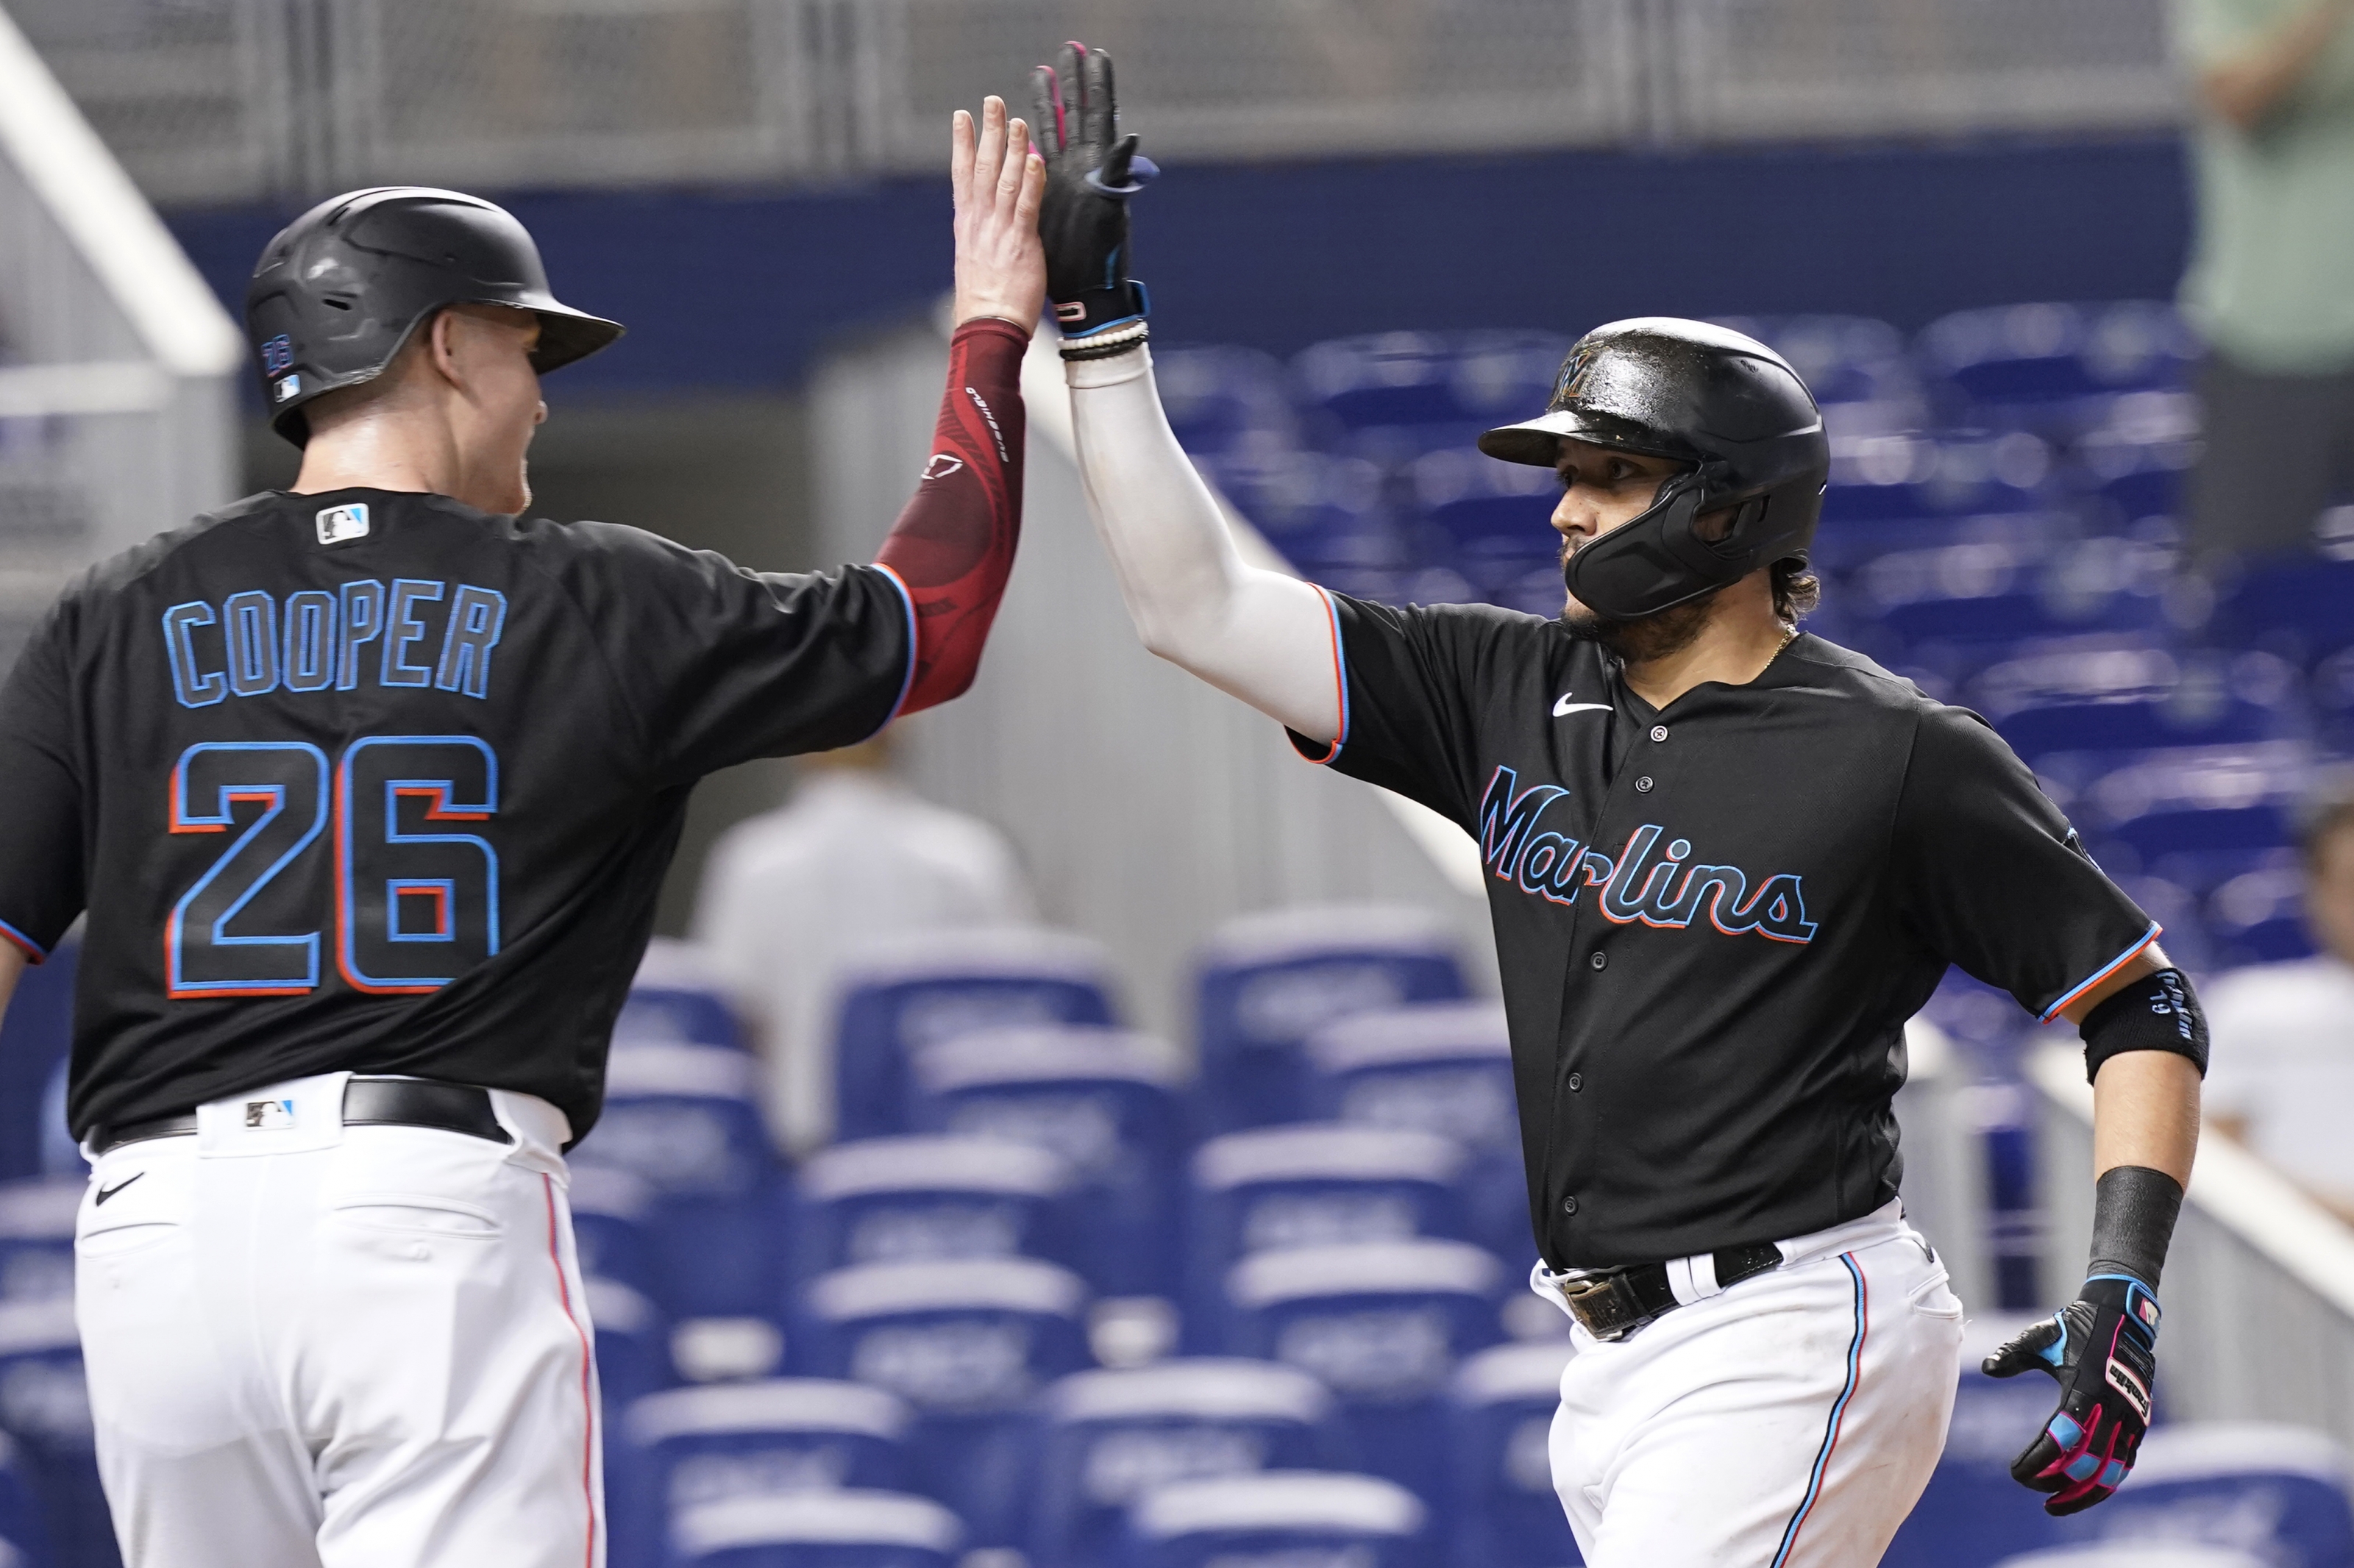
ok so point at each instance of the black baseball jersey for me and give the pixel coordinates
(1713, 921)
(375, 781)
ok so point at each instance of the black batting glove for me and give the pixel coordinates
(1091, 171)
(2101, 1349)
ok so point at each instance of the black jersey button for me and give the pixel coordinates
(1600, 959)
(1643, 785)
(1658, 732)
(1576, 1082)
(1569, 1205)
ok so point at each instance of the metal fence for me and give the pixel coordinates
(215, 100)
(116, 412)
(2259, 1288)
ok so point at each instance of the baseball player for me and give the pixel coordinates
(368, 789)
(1726, 861)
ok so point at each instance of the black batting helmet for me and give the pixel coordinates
(341, 288)
(1725, 404)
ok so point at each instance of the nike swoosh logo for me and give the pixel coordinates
(106, 1193)
(1564, 707)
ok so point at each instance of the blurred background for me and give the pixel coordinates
(1075, 1129)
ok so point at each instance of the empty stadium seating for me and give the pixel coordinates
(1500, 1415)
(685, 1120)
(1109, 1103)
(1383, 1325)
(1108, 1438)
(900, 996)
(1312, 1184)
(1265, 982)
(857, 1528)
(967, 1348)
(1283, 1518)
(910, 1199)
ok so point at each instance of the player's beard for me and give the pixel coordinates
(1645, 638)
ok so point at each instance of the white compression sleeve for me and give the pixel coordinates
(1259, 635)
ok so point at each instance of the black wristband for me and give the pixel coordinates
(2157, 1012)
(2134, 1211)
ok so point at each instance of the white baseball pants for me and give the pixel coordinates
(348, 1348)
(1788, 1422)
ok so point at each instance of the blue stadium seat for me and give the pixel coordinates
(1973, 597)
(1312, 1184)
(2134, 462)
(767, 1438)
(912, 1200)
(1383, 1325)
(1443, 1067)
(632, 1342)
(1111, 1103)
(2122, 695)
(1973, 1514)
(678, 998)
(1318, 508)
(45, 1409)
(611, 1209)
(35, 1035)
(2151, 809)
(902, 995)
(1943, 474)
(2053, 367)
(817, 1530)
(1500, 1418)
(1266, 982)
(2277, 1492)
(968, 1348)
(1107, 1437)
(2138, 1554)
(1220, 398)
(1280, 1519)
(36, 1238)
(23, 1535)
(2258, 916)
(2302, 609)
(685, 1120)
(1425, 378)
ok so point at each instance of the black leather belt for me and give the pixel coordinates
(1612, 1303)
(368, 1102)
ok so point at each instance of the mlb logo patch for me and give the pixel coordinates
(268, 1115)
(288, 386)
(338, 523)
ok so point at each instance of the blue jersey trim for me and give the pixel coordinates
(908, 681)
(1831, 1425)
(2104, 972)
(33, 950)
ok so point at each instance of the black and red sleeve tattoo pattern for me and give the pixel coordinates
(952, 548)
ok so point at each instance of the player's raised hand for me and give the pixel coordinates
(1001, 268)
(2102, 1351)
(1091, 171)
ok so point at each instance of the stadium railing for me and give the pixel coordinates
(2259, 1286)
(238, 99)
(116, 402)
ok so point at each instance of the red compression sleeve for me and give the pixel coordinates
(953, 546)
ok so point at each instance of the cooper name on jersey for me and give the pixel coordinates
(415, 632)
(1648, 879)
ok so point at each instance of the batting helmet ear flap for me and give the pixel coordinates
(1658, 560)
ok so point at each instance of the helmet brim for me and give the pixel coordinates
(1537, 441)
(566, 335)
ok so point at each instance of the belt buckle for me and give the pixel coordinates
(1603, 1304)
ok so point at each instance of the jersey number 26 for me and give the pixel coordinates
(386, 842)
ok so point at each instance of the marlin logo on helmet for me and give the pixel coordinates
(1724, 404)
